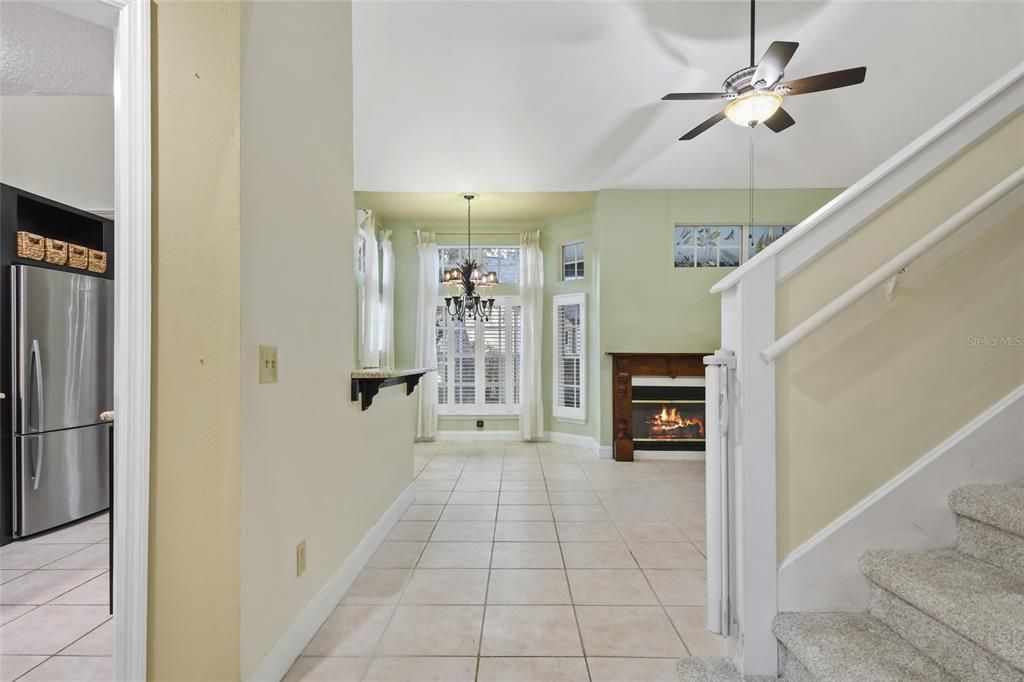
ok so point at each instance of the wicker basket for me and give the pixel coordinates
(78, 256)
(31, 246)
(97, 261)
(56, 251)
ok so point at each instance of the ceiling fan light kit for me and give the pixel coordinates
(755, 92)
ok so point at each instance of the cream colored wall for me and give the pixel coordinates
(871, 392)
(194, 481)
(314, 466)
(59, 147)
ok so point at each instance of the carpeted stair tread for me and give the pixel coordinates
(852, 647)
(976, 600)
(1001, 506)
(713, 669)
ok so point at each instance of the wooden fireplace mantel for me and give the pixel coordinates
(627, 365)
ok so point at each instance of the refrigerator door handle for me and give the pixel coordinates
(37, 364)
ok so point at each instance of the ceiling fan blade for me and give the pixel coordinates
(824, 81)
(779, 121)
(694, 95)
(703, 126)
(773, 64)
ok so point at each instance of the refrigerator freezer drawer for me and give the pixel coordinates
(60, 476)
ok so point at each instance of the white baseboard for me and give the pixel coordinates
(909, 512)
(574, 439)
(477, 435)
(275, 664)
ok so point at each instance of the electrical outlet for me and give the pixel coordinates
(268, 364)
(479, 423)
(300, 558)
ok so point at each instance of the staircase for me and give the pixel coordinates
(945, 614)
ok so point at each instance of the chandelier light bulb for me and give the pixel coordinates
(753, 108)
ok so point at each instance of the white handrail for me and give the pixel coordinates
(876, 278)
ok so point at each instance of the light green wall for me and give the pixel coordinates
(649, 305)
(637, 301)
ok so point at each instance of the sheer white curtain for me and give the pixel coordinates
(369, 331)
(426, 334)
(531, 294)
(387, 301)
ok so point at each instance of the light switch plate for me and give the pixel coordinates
(300, 558)
(268, 364)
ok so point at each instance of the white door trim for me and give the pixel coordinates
(132, 302)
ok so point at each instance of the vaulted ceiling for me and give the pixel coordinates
(526, 96)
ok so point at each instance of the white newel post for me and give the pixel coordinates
(748, 326)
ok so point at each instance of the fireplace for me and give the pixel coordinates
(668, 414)
(657, 404)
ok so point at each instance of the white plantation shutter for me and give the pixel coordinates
(442, 356)
(478, 362)
(570, 353)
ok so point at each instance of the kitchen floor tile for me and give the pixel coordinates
(523, 497)
(73, 668)
(35, 632)
(650, 532)
(350, 630)
(433, 631)
(579, 512)
(95, 591)
(679, 587)
(94, 556)
(99, 642)
(473, 498)
(422, 669)
(411, 531)
(609, 587)
(460, 531)
(12, 667)
(525, 531)
(469, 512)
(39, 587)
(327, 669)
(396, 555)
(422, 512)
(446, 586)
(597, 555)
(80, 533)
(377, 586)
(643, 631)
(524, 512)
(633, 669)
(528, 486)
(533, 670)
(456, 555)
(526, 555)
(9, 574)
(528, 586)
(30, 555)
(587, 531)
(530, 631)
(9, 612)
(573, 497)
(667, 555)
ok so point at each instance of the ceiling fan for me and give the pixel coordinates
(755, 92)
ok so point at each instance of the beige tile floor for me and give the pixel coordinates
(523, 562)
(54, 620)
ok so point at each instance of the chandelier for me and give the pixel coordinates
(467, 278)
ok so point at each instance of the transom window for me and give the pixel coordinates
(572, 261)
(478, 363)
(721, 246)
(503, 260)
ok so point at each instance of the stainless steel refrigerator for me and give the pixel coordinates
(63, 329)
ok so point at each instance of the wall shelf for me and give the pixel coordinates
(367, 382)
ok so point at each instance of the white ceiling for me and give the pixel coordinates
(56, 48)
(520, 96)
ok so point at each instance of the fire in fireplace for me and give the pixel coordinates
(668, 417)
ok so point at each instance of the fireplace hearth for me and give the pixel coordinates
(657, 403)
